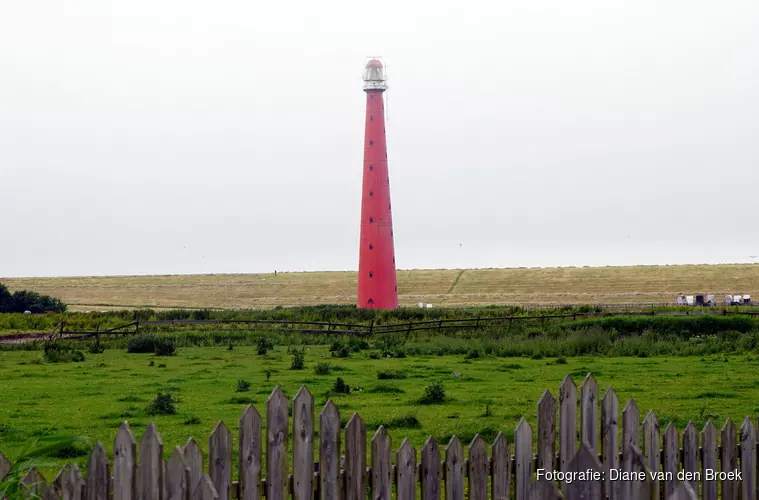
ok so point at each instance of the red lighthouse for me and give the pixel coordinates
(377, 285)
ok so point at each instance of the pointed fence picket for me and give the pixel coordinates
(634, 461)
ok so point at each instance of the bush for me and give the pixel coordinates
(341, 387)
(26, 300)
(561, 360)
(242, 386)
(96, 348)
(141, 344)
(264, 346)
(340, 351)
(473, 354)
(164, 347)
(58, 353)
(193, 420)
(433, 394)
(322, 368)
(298, 358)
(374, 355)
(162, 404)
(390, 375)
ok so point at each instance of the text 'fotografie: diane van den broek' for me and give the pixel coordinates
(620, 475)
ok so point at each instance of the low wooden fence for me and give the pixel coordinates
(643, 464)
(329, 327)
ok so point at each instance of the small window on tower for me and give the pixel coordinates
(371, 219)
(371, 142)
(371, 118)
(370, 301)
(396, 288)
(371, 247)
(371, 193)
(371, 274)
(371, 167)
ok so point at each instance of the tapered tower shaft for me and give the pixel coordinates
(377, 285)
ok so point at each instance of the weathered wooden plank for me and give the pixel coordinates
(584, 487)
(355, 458)
(651, 443)
(431, 473)
(34, 484)
(478, 469)
(5, 466)
(546, 431)
(630, 425)
(405, 468)
(683, 492)
(690, 454)
(523, 459)
(151, 464)
(501, 468)
(541, 490)
(589, 412)
(303, 445)
(177, 476)
(609, 438)
(193, 456)
(249, 459)
(72, 486)
(124, 464)
(60, 479)
(454, 470)
(98, 485)
(634, 483)
(329, 452)
(709, 460)
(381, 466)
(276, 445)
(51, 494)
(205, 490)
(730, 489)
(220, 460)
(671, 463)
(748, 459)
(567, 422)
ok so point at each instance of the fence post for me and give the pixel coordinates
(371, 327)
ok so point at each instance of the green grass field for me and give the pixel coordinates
(91, 398)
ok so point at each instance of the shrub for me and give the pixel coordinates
(434, 393)
(298, 358)
(58, 353)
(339, 350)
(322, 368)
(391, 375)
(473, 354)
(561, 360)
(356, 345)
(243, 386)
(374, 355)
(141, 344)
(341, 387)
(152, 362)
(96, 348)
(193, 420)
(162, 404)
(165, 347)
(264, 346)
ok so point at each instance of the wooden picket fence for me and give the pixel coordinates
(342, 472)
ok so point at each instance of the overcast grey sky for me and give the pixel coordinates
(143, 136)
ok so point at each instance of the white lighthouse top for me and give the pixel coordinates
(374, 76)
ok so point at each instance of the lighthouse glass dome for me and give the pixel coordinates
(374, 76)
